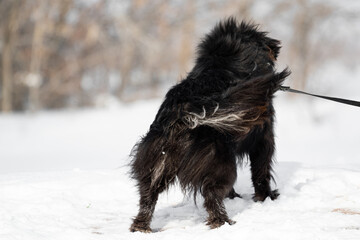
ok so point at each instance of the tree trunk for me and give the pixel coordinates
(187, 33)
(6, 90)
(35, 63)
(9, 31)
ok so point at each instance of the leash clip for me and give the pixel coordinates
(284, 88)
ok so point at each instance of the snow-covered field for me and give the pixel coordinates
(63, 175)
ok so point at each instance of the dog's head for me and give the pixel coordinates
(240, 47)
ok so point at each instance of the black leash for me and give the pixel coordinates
(339, 100)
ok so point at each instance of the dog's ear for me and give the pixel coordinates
(274, 47)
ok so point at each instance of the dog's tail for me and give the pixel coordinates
(239, 108)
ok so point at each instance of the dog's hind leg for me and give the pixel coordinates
(214, 196)
(214, 193)
(149, 193)
(216, 187)
(153, 173)
(142, 221)
(261, 164)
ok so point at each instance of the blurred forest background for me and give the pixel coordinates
(83, 53)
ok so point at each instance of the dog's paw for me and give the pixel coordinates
(261, 197)
(231, 222)
(274, 194)
(232, 194)
(139, 228)
(218, 222)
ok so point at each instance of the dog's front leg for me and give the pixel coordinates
(261, 164)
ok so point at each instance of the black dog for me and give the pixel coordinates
(220, 112)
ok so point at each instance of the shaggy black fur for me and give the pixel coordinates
(220, 112)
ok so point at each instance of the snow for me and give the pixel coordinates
(63, 175)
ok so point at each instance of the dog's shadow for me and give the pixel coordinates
(187, 214)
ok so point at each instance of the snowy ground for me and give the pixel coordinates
(63, 175)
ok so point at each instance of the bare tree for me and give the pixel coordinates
(303, 50)
(9, 19)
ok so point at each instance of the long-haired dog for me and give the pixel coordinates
(219, 113)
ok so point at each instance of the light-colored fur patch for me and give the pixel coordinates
(231, 119)
(220, 120)
(158, 171)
